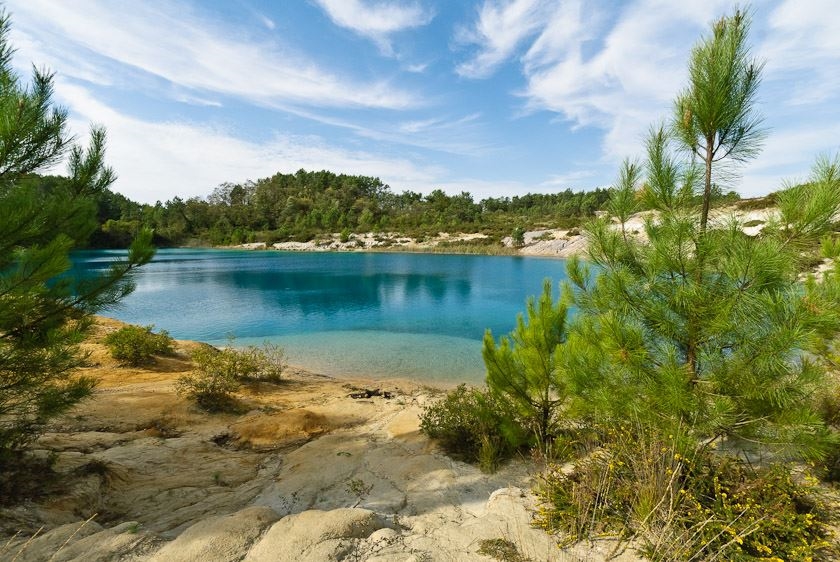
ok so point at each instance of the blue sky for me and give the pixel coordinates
(495, 97)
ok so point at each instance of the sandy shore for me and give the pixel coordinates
(307, 473)
(547, 242)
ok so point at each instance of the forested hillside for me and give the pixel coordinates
(303, 205)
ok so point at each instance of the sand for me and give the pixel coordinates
(305, 473)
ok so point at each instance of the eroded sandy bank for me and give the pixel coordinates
(307, 473)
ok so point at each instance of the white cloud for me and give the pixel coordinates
(171, 43)
(416, 68)
(464, 136)
(157, 160)
(789, 154)
(500, 29)
(620, 78)
(802, 49)
(268, 22)
(193, 100)
(33, 49)
(570, 180)
(376, 20)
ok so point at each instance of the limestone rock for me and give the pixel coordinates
(315, 535)
(122, 542)
(82, 541)
(218, 539)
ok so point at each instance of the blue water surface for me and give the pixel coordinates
(418, 316)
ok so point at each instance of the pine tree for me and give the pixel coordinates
(45, 311)
(715, 118)
(523, 368)
(702, 329)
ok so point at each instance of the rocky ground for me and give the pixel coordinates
(308, 473)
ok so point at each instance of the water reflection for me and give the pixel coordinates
(207, 294)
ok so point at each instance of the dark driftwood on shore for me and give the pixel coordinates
(367, 393)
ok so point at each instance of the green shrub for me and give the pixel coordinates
(757, 203)
(830, 246)
(684, 507)
(473, 425)
(518, 237)
(501, 549)
(522, 368)
(828, 406)
(135, 345)
(219, 372)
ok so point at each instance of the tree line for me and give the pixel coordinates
(307, 204)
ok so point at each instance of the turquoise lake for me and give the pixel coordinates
(379, 315)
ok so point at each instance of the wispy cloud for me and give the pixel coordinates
(499, 29)
(789, 153)
(804, 44)
(156, 160)
(617, 70)
(570, 180)
(376, 20)
(416, 68)
(193, 100)
(620, 78)
(194, 53)
(464, 136)
(268, 22)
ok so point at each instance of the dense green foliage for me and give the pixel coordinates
(714, 117)
(304, 205)
(520, 407)
(136, 345)
(474, 425)
(523, 369)
(684, 507)
(44, 312)
(693, 344)
(219, 373)
(701, 333)
(707, 330)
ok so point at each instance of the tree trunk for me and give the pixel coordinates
(707, 189)
(691, 359)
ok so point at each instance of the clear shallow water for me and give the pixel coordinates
(418, 316)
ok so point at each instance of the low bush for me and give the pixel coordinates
(501, 549)
(219, 372)
(698, 506)
(135, 345)
(830, 246)
(757, 203)
(473, 425)
(828, 406)
(518, 237)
